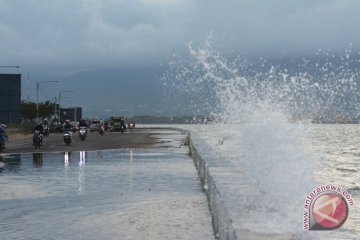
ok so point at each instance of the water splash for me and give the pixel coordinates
(324, 88)
(264, 108)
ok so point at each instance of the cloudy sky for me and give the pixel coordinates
(66, 36)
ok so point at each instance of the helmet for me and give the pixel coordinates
(67, 121)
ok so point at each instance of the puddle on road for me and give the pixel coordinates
(111, 194)
(169, 138)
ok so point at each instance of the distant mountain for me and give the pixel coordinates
(125, 91)
(139, 90)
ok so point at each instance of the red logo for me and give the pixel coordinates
(329, 211)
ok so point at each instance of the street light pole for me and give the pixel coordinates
(54, 100)
(59, 100)
(37, 96)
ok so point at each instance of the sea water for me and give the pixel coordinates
(262, 123)
(278, 173)
(282, 171)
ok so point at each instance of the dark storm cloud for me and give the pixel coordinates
(78, 42)
(88, 32)
(109, 32)
(288, 26)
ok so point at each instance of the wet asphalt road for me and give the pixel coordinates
(137, 138)
(132, 193)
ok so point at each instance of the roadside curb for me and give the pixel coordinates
(222, 223)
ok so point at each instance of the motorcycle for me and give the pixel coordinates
(131, 126)
(46, 130)
(122, 128)
(82, 133)
(67, 138)
(37, 139)
(2, 142)
(101, 130)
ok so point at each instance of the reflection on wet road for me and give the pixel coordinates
(112, 194)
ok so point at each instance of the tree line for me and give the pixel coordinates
(28, 109)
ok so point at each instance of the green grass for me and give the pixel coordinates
(12, 129)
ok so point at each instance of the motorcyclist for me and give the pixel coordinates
(3, 136)
(82, 123)
(101, 129)
(131, 124)
(122, 123)
(122, 120)
(67, 126)
(45, 122)
(39, 128)
(67, 130)
(46, 127)
(106, 125)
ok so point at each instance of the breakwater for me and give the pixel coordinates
(221, 219)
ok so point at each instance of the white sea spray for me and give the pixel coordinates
(263, 111)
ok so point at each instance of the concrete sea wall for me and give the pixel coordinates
(207, 164)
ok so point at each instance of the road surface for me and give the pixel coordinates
(137, 138)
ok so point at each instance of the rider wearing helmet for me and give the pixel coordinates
(67, 126)
(82, 123)
(3, 135)
(45, 122)
(46, 127)
(39, 128)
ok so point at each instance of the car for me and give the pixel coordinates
(94, 125)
